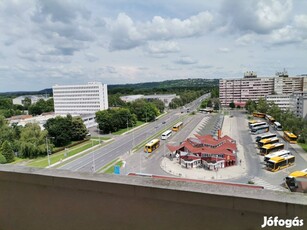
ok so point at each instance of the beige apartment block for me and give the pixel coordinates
(253, 87)
(241, 90)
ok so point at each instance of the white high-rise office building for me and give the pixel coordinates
(80, 99)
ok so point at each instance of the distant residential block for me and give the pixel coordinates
(252, 87)
(34, 98)
(166, 98)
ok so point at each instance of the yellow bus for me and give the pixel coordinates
(177, 126)
(269, 118)
(253, 122)
(261, 115)
(152, 145)
(269, 148)
(280, 153)
(278, 163)
(290, 137)
(293, 180)
(272, 140)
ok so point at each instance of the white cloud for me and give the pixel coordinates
(301, 21)
(259, 16)
(163, 47)
(70, 41)
(223, 50)
(246, 39)
(185, 60)
(127, 34)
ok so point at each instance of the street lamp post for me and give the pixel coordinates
(99, 135)
(93, 163)
(48, 151)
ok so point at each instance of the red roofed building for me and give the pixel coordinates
(206, 151)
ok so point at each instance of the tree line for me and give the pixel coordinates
(287, 118)
(30, 141)
(8, 109)
(128, 114)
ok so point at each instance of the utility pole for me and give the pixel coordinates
(47, 146)
(93, 163)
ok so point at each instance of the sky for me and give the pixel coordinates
(48, 42)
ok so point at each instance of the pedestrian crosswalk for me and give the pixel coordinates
(267, 185)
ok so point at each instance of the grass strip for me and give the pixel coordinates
(42, 162)
(156, 135)
(303, 145)
(121, 131)
(101, 138)
(110, 170)
(104, 168)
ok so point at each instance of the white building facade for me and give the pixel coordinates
(80, 99)
(299, 103)
(283, 101)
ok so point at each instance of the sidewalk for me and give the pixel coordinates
(173, 167)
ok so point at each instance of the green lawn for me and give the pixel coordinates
(42, 162)
(101, 138)
(304, 146)
(121, 131)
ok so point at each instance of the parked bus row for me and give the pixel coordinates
(288, 136)
(275, 156)
(257, 127)
(279, 160)
(155, 143)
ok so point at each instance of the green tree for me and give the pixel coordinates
(215, 92)
(60, 128)
(274, 111)
(115, 101)
(78, 129)
(175, 103)
(232, 105)
(104, 120)
(144, 111)
(216, 106)
(112, 120)
(6, 132)
(26, 102)
(32, 142)
(49, 106)
(251, 106)
(209, 104)
(262, 105)
(2, 159)
(7, 151)
(159, 105)
(41, 106)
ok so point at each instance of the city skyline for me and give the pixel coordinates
(44, 43)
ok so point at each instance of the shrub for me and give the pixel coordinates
(2, 159)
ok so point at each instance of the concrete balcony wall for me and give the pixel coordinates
(53, 199)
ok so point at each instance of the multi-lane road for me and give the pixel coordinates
(124, 143)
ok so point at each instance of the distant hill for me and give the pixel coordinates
(184, 83)
(168, 84)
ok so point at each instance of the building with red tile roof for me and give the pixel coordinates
(206, 151)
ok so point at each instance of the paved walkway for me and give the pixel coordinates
(173, 167)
